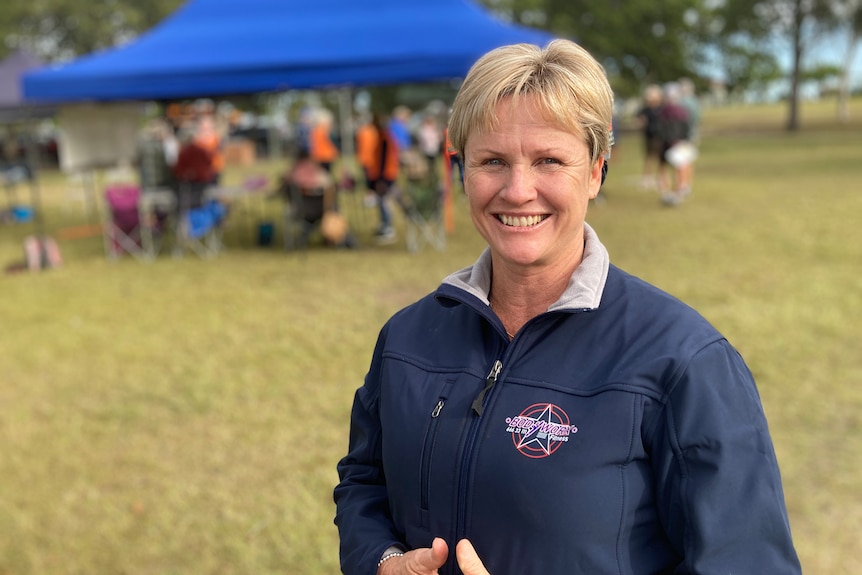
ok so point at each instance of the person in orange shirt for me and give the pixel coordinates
(322, 148)
(381, 174)
(366, 142)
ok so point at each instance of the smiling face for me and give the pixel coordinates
(529, 182)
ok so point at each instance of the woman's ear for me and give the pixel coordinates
(597, 176)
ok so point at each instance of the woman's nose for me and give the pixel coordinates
(520, 186)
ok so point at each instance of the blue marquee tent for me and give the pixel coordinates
(222, 47)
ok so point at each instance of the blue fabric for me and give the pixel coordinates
(22, 213)
(211, 47)
(401, 133)
(202, 220)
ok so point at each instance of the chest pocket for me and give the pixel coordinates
(424, 417)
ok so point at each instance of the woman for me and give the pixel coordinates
(543, 411)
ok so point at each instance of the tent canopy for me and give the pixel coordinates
(221, 47)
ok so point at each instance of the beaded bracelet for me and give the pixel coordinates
(388, 557)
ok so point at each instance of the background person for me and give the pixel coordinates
(208, 135)
(648, 120)
(430, 140)
(381, 173)
(453, 159)
(366, 144)
(399, 127)
(674, 129)
(542, 407)
(193, 171)
(322, 148)
(318, 199)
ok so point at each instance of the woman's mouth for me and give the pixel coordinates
(520, 221)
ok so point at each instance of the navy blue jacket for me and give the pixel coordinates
(622, 436)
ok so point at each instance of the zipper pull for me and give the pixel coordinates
(437, 409)
(489, 383)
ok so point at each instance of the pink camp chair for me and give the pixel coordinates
(123, 229)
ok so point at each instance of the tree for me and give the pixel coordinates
(798, 22)
(748, 69)
(730, 40)
(768, 26)
(850, 13)
(638, 41)
(63, 29)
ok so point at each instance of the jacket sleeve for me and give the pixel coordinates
(362, 512)
(718, 485)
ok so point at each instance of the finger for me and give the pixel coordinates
(468, 559)
(439, 553)
(429, 560)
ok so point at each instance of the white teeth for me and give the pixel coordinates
(522, 221)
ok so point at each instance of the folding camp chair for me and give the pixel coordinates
(123, 227)
(303, 212)
(198, 221)
(423, 208)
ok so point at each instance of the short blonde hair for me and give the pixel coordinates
(571, 86)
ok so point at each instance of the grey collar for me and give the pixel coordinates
(585, 286)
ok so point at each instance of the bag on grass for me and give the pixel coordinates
(333, 227)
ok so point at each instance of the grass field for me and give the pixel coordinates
(184, 416)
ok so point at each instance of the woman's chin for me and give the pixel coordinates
(519, 253)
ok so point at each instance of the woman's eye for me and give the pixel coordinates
(493, 162)
(550, 161)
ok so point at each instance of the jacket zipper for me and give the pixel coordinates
(478, 408)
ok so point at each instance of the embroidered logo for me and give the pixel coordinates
(540, 430)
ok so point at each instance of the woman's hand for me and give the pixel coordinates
(468, 560)
(419, 561)
(428, 560)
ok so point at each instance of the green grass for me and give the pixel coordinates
(184, 416)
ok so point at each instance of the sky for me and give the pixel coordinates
(834, 50)
(827, 51)
(831, 51)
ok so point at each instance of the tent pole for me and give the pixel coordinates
(345, 111)
(92, 207)
(348, 129)
(273, 139)
(35, 193)
(34, 167)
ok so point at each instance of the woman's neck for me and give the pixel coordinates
(519, 294)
